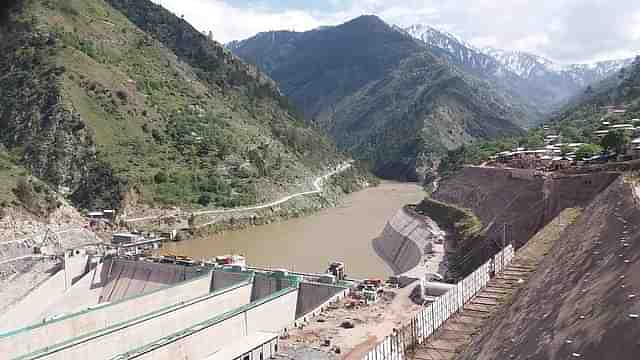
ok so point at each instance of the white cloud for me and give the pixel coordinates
(563, 30)
(231, 23)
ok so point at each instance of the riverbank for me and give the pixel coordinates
(341, 233)
(327, 192)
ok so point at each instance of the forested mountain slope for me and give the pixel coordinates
(120, 102)
(380, 93)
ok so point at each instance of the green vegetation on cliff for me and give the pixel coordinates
(123, 103)
(463, 222)
(466, 238)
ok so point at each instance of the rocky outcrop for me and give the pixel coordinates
(511, 205)
(54, 142)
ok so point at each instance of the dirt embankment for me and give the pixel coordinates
(584, 300)
(463, 232)
(499, 197)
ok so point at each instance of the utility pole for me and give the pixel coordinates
(504, 242)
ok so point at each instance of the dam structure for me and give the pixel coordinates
(126, 309)
(414, 247)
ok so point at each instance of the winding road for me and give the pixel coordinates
(317, 184)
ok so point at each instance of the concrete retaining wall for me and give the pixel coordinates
(265, 285)
(37, 336)
(314, 295)
(125, 279)
(224, 279)
(83, 294)
(271, 316)
(143, 331)
(35, 303)
(404, 240)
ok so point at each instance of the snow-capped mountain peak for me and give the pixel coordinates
(522, 63)
(436, 37)
(528, 66)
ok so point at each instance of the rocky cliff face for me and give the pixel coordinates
(122, 102)
(380, 93)
(52, 139)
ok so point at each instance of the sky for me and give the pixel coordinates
(565, 31)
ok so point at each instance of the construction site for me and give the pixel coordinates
(475, 266)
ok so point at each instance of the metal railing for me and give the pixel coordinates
(433, 316)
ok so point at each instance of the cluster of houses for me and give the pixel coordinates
(555, 155)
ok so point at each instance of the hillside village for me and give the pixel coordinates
(617, 139)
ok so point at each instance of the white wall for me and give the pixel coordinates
(272, 316)
(147, 331)
(63, 329)
(29, 308)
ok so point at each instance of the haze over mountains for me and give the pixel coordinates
(401, 97)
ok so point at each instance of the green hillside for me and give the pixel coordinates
(124, 103)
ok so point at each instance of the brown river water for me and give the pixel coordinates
(309, 244)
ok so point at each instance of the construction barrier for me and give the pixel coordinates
(432, 316)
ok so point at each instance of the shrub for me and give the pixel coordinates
(588, 150)
(205, 199)
(160, 177)
(24, 192)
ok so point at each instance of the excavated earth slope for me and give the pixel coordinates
(526, 203)
(584, 300)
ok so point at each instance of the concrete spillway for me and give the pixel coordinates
(125, 279)
(411, 245)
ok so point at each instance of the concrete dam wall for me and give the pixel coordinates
(405, 241)
(37, 336)
(124, 279)
(152, 326)
(269, 315)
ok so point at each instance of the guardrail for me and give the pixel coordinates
(433, 316)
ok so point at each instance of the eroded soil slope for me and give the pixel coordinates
(584, 300)
(498, 198)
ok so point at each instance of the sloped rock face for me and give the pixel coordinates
(582, 300)
(54, 142)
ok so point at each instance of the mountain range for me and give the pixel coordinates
(543, 84)
(400, 97)
(381, 95)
